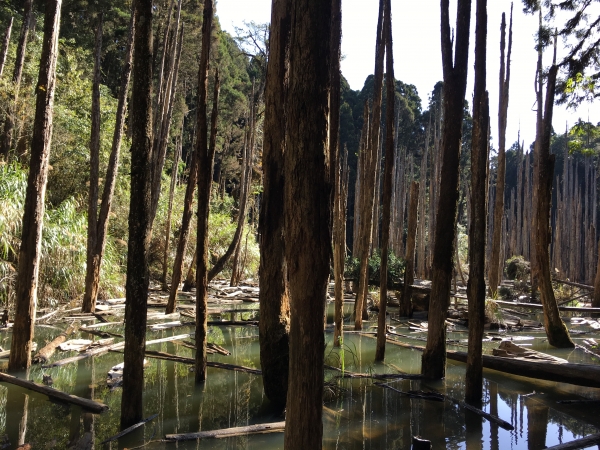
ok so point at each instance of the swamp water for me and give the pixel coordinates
(357, 413)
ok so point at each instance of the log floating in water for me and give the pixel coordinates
(578, 443)
(274, 427)
(48, 350)
(539, 306)
(128, 430)
(184, 360)
(90, 405)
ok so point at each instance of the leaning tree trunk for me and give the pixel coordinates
(455, 80)
(274, 324)
(138, 277)
(5, 43)
(477, 231)
(92, 275)
(307, 209)
(9, 122)
(557, 332)
(387, 179)
(31, 235)
(368, 189)
(495, 263)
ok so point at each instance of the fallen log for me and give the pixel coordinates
(192, 361)
(572, 283)
(128, 430)
(48, 350)
(434, 396)
(539, 306)
(275, 427)
(578, 443)
(375, 376)
(90, 405)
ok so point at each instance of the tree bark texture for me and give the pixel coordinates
(92, 275)
(205, 173)
(307, 209)
(368, 188)
(495, 269)
(387, 178)
(409, 269)
(274, 324)
(557, 332)
(174, 169)
(140, 220)
(596, 299)
(455, 76)
(9, 122)
(33, 216)
(92, 231)
(477, 231)
(5, 43)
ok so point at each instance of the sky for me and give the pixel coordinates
(417, 54)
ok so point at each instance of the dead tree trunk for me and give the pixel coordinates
(307, 234)
(174, 169)
(339, 249)
(477, 231)
(495, 263)
(5, 43)
(140, 221)
(387, 178)
(409, 270)
(369, 186)
(9, 122)
(92, 276)
(455, 66)
(92, 231)
(205, 175)
(31, 235)
(557, 332)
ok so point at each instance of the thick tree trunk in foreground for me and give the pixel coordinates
(9, 123)
(455, 79)
(477, 231)
(92, 231)
(368, 188)
(5, 43)
(387, 178)
(557, 332)
(307, 209)
(92, 275)
(31, 236)
(496, 264)
(274, 324)
(205, 172)
(140, 220)
(409, 269)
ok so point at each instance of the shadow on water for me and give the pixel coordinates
(357, 413)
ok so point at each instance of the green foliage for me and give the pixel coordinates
(395, 268)
(517, 268)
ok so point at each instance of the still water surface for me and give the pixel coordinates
(357, 414)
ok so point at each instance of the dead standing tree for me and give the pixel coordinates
(477, 231)
(307, 209)
(274, 324)
(31, 235)
(455, 65)
(495, 268)
(5, 43)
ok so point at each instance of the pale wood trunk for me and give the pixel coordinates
(308, 235)
(10, 118)
(5, 43)
(477, 231)
(92, 276)
(455, 74)
(31, 234)
(422, 227)
(339, 254)
(387, 179)
(174, 169)
(409, 276)
(140, 222)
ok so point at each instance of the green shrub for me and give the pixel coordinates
(395, 268)
(517, 268)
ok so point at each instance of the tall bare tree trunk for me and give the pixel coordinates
(140, 220)
(92, 275)
(205, 174)
(307, 209)
(557, 332)
(9, 122)
(33, 215)
(339, 249)
(495, 263)
(5, 43)
(387, 179)
(455, 77)
(477, 232)
(409, 270)
(369, 186)
(174, 169)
